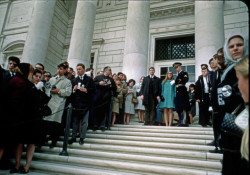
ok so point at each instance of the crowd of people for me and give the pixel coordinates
(34, 103)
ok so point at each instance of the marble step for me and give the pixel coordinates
(148, 139)
(115, 165)
(129, 132)
(163, 129)
(198, 128)
(152, 159)
(163, 152)
(146, 144)
(63, 169)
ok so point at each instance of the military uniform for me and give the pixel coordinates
(182, 99)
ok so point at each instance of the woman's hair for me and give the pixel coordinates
(24, 69)
(243, 67)
(166, 78)
(131, 80)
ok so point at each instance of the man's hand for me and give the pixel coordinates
(158, 98)
(75, 88)
(54, 91)
(82, 89)
(102, 83)
(142, 97)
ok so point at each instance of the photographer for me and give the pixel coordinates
(105, 87)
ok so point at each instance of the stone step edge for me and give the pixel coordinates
(152, 159)
(147, 151)
(142, 144)
(59, 169)
(148, 139)
(164, 127)
(208, 137)
(124, 166)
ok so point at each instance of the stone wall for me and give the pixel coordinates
(58, 33)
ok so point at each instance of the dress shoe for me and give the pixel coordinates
(52, 145)
(211, 143)
(72, 140)
(216, 150)
(102, 128)
(95, 128)
(81, 142)
(23, 171)
(14, 170)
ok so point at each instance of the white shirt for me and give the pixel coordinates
(205, 84)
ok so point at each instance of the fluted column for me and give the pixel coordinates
(209, 31)
(136, 40)
(36, 44)
(82, 34)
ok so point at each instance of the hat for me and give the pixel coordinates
(177, 64)
(204, 66)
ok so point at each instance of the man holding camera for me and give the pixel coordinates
(105, 88)
(81, 99)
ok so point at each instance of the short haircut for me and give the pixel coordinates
(63, 65)
(82, 65)
(131, 80)
(119, 73)
(220, 50)
(105, 68)
(14, 59)
(210, 60)
(40, 64)
(192, 85)
(37, 71)
(151, 68)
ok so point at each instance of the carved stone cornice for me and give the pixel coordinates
(172, 12)
(94, 42)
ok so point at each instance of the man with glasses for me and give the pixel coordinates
(182, 99)
(105, 88)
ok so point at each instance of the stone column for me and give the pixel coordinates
(136, 40)
(82, 34)
(36, 44)
(209, 31)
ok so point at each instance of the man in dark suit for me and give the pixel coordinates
(105, 88)
(182, 100)
(202, 95)
(150, 95)
(81, 99)
(12, 64)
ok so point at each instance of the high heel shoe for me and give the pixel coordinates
(23, 171)
(14, 170)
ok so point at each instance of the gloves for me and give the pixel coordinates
(172, 82)
(39, 85)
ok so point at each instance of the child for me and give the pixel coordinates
(191, 94)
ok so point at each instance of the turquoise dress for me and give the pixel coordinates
(168, 92)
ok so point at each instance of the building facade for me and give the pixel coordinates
(129, 36)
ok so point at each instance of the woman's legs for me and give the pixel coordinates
(170, 110)
(18, 155)
(124, 119)
(142, 115)
(139, 115)
(113, 120)
(166, 115)
(191, 118)
(29, 156)
(127, 119)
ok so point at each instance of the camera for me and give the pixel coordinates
(53, 87)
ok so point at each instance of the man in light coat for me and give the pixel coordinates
(61, 89)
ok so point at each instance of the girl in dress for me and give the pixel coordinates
(167, 98)
(191, 94)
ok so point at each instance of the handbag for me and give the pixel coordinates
(231, 134)
(134, 100)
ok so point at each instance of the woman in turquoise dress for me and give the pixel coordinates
(167, 97)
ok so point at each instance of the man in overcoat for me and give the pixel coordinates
(105, 88)
(81, 99)
(150, 95)
(182, 100)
